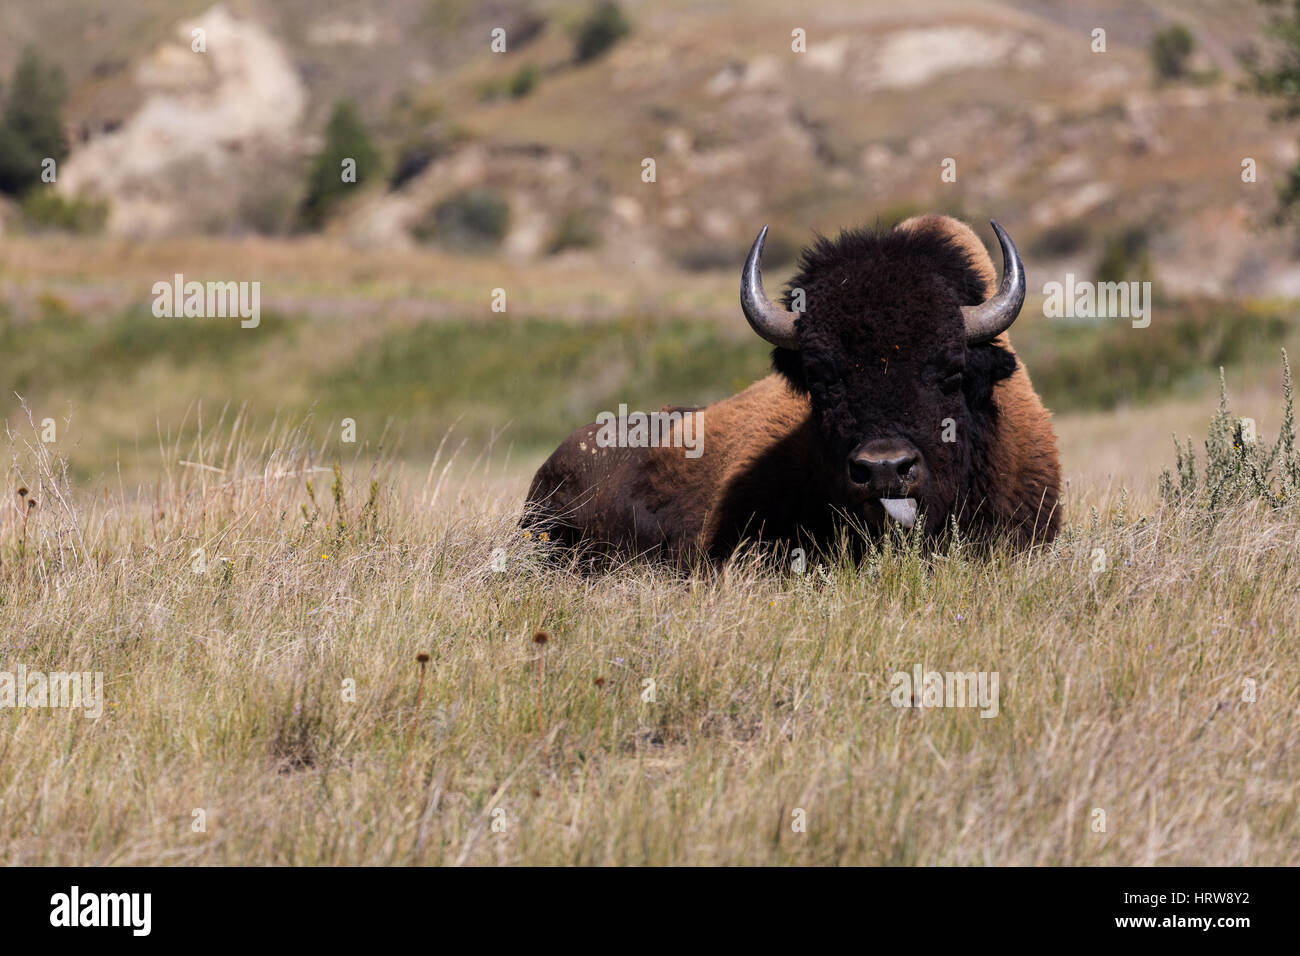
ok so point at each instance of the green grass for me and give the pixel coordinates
(61, 348)
(543, 377)
(522, 381)
(1103, 364)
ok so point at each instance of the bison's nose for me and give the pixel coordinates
(888, 468)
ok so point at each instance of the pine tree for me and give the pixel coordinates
(31, 128)
(1277, 76)
(345, 139)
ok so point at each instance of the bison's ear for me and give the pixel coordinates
(986, 365)
(787, 362)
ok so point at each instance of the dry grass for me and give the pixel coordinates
(1120, 690)
(334, 280)
(279, 685)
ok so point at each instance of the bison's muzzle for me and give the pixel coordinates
(892, 475)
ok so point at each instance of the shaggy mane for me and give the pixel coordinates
(912, 252)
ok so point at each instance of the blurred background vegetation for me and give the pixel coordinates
(502, 145)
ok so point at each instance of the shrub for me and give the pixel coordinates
(603, 27)
(44, 209)
(517, 85)
(523, 81)
(345, 138)
(475, 219)
(1238, 469)
(20, 166)
(31, 128)
(1124, 256)
(576, 230)
(1273, 74)
(1170, 49)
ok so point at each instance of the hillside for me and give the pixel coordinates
(1068, 147)
(385, 317)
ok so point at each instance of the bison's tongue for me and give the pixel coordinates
(902, 510)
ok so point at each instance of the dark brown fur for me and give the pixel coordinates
(773, 454)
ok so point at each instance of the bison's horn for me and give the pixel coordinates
(766, 317)
(990, 319)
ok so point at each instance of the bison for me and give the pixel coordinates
(895, 394)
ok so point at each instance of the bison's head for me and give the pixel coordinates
(895, 347)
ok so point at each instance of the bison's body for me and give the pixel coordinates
(881, 396)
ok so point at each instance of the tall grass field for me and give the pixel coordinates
(311, 656)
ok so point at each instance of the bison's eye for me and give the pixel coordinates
(946, 378)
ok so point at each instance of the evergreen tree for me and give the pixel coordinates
(1277, 76)
(345, 139)
(31, 128)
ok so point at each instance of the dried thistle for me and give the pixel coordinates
(540, 638)
(600, 685)
(26, 512)
(423, 660)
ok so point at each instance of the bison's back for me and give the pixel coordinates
(662, 500)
